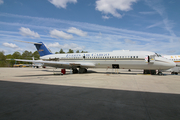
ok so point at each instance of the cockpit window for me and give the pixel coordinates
(158, 55)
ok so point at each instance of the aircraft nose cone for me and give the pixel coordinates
(172, 64)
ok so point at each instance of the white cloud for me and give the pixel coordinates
(129, 41)
(111, 6)
(1, 1)
(66, 46)
(61, 3)
(154, 25)
(77, 31)
(11, 45)
(28, 32)
(159, 8)
(111, 37)
(105, 17)
(60, 34)
(147, 13)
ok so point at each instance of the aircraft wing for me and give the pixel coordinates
(60, 64)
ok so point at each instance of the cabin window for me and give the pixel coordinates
(133, 56)
(136, 56)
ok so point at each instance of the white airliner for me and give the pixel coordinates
(176, 59)
(120, 59)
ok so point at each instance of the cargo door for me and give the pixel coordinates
(115, 66)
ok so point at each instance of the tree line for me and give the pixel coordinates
(25, 55)
(17, 55)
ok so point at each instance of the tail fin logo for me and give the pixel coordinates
(40, 50)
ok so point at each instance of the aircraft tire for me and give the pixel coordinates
(75, 71)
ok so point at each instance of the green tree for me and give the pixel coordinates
(70, 51)
(84, 51)
(77, 51)
(61, 51)
(2, 59)
(10, 63)
(27, 55)
(16, 55)
(56, 52)
(9, 56)
(36, 55)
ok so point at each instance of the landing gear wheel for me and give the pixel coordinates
(82, 70)
(160, 73)
(75, 71)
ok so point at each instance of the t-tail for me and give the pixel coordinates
(41, 48)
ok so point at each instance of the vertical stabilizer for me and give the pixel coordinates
(41, 48)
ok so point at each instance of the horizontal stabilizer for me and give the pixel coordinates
(28, 42)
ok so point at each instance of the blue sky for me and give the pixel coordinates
(91, 25)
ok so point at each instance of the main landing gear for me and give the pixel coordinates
(152, 72)
(81, 70)
(174, 73)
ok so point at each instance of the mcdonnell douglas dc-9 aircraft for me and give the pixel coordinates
(119, 59)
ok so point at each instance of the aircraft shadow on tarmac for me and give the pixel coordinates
(89, 72)
(58, 72)
(93, 71)
(40, 101)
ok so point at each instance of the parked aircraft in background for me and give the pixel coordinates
(37, 65)
(176, 59)
(119, 59)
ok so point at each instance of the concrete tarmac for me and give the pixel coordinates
(29, 93)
